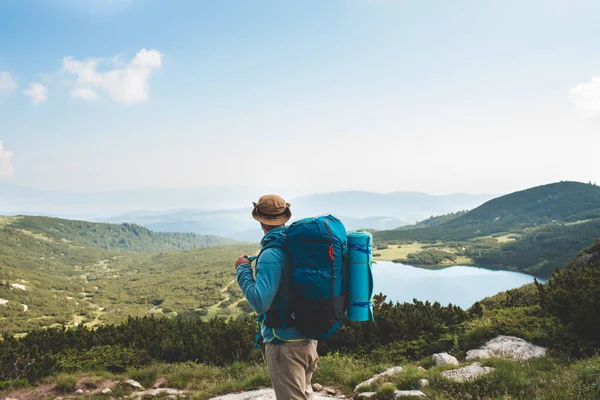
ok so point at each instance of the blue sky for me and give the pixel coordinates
(299, 96)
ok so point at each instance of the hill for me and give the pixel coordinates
(210, 358)
(556, 202)
(531, 231)
(357, 209)
(123, 237)
(48, 280)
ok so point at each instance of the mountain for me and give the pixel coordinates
(358, 210)
(402, 205)
(124, 237)
(531, 231)
(566, 202)
(55, 272)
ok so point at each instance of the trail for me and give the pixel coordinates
(227, 296)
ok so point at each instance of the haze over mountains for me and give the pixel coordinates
(220, 210)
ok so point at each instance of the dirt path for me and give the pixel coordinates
(227, 297)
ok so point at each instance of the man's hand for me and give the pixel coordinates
(243, 259)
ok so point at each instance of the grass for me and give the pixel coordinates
(65, 383)
(551, 378)
(401, 252)
(394, 252)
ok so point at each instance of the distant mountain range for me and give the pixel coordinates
(358, 210)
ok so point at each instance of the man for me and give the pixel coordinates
(291, 356)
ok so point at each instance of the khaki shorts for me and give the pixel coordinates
(291, 366)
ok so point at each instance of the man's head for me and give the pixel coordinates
(271, 211)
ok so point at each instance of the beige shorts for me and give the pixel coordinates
(291, 366)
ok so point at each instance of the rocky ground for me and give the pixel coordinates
(505, 347)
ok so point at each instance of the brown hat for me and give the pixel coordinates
(272, 210)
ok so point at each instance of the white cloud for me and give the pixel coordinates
(84, 94)
(6, 168)
(7, 84)
(586, 98)
(37, 92)
(127, 83)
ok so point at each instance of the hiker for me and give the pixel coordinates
(291, 356)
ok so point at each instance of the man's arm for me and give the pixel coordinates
(261, 291)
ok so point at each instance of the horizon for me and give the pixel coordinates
(438, 98)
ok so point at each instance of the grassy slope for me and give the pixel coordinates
(124, 237)
(558, 202)
(68, 283)
(549, 224)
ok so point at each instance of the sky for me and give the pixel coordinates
(299, 96)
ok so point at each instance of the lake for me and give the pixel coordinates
(459, 285)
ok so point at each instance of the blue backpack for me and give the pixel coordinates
(317, 251)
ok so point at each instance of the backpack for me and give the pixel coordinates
(317, 253)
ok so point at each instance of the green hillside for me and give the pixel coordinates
(47, 280)
(123, 237)
(531, 231)
(556, 202)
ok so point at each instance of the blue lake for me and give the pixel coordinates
(459, 285)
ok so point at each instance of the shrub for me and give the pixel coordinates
(387, 391)
(572, 295)
(65, 383)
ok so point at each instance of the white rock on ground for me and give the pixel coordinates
(317, 387)
(18, 286)
(423, 383)
(3, 302)
(106, 391)
(78, 392)
(134, 384)
(444, 358)
(25, 308)
(409, 393)
(366, 395)
(262, 394)
(510, 347)
(468, 373)
(389, 372)
(157, 392)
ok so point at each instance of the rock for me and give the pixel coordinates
(409, 393)
(317, 387)
(509, 347)
(468, 373)
(79, 392)
(423, 383)
(389, 372)
(366, 395)
(421, 369)
(262, 394)
(443, 359)
(106, 391)
(330, 391)
(134, 384)
(158, 392)
(18, 286)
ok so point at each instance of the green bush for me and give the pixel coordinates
(65, 383)
(573, 296)
(387, 391)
